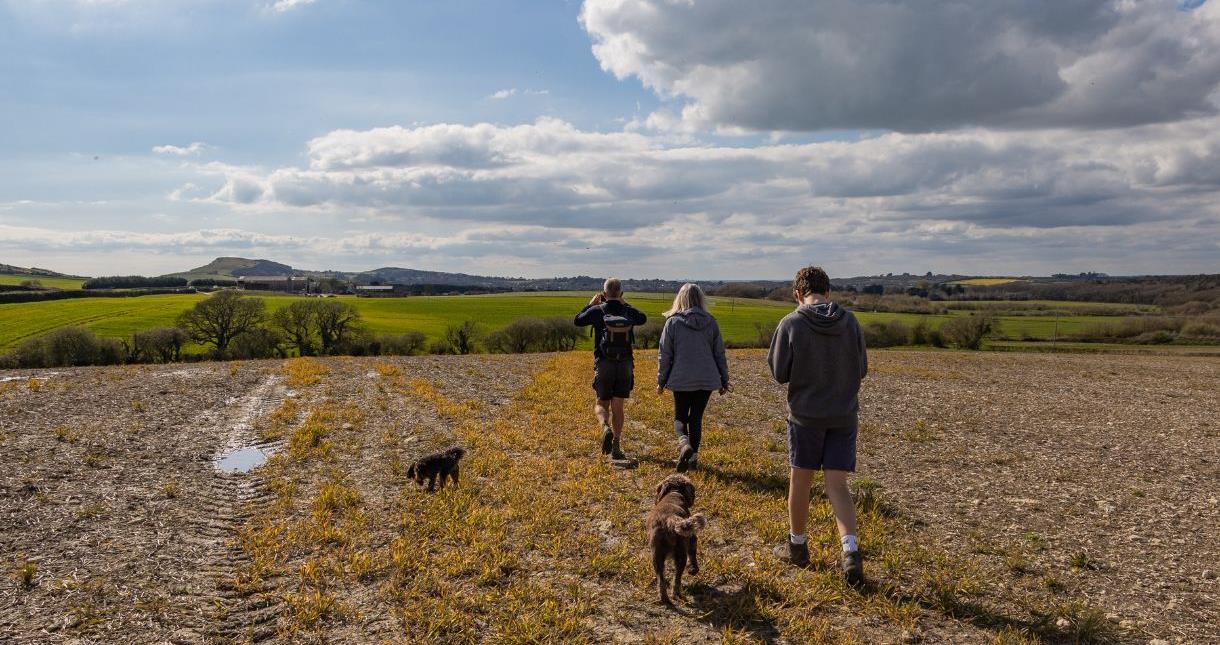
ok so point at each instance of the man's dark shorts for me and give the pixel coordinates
(828, 448)
(613, 379)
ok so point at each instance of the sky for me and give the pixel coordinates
(712, 139)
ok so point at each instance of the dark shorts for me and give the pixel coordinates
(613, 379)
(829, 448)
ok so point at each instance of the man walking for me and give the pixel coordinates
(818, 351)
(612, 320)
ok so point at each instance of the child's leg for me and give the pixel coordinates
(840, 500)
(798, 500)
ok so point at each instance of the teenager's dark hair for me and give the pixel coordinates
(811, 280)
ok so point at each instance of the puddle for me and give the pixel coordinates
(243, 460)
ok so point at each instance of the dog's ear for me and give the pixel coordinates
(688, 493)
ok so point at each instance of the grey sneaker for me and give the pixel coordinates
(853, 568)
(795, 554)
(684, 457)
(607, 438)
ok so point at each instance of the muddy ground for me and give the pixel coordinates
(1064, 478)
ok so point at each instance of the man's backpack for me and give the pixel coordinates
(616, 341)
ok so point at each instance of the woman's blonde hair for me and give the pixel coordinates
(689, 297)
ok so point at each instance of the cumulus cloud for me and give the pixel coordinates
(181, 151)
(551, 173)
(810, 65)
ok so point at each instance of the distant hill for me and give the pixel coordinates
(230, 267)
(16, 270)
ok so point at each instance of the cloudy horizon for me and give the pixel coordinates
(645, 138)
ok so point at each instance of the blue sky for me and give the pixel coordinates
(651, 138)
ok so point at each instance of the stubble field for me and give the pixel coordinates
(1007, 498)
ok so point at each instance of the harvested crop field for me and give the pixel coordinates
(1011, 498)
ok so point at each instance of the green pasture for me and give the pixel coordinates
(120, 317)
(58, 283)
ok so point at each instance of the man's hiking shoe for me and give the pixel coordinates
(685, 457)
(795, 554)
(607, 439)
(853, 568)
(616, 453)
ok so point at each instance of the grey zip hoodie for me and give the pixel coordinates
(818, 350)
(691, 355)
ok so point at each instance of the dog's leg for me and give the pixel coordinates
(679, 565)
(658, 565)
(454, 475)
(432, 481)
(694, 556)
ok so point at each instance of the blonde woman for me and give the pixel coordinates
(690, 364)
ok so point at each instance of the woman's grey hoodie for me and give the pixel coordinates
(692, 353)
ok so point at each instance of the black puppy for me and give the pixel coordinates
(671, 531)
(439, 465)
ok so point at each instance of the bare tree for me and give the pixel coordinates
(335, 322)
(297, 322)
(221, 318)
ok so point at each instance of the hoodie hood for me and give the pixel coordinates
(824, 317)
(694, 318)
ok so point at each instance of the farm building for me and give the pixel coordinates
(287, 283)
(382, 290)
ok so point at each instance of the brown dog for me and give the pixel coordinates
(671, 531)
(438, 465)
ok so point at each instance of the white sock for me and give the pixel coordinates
(797, 539)
(849, 544)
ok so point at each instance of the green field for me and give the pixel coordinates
(58, 283)
(120, 317)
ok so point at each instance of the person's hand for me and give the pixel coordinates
(598, 299)
(724, 390)
(660, 390)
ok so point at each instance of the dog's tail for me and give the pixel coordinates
(688, 526)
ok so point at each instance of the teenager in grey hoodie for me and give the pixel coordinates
(691, 364)
(818, 352)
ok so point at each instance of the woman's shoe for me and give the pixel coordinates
(684, 457)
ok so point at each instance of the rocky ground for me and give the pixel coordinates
(1008, 497)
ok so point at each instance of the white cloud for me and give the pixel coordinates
(510, 92)
(845, 64)
(182, 151)
(281, 6)
(964, 195)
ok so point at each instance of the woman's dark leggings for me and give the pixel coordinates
(688, 415)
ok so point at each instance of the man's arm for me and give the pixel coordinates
(636, 316)
(779, 357)
(863, 356)
(587, 316)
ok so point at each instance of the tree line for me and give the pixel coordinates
(231, 325)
